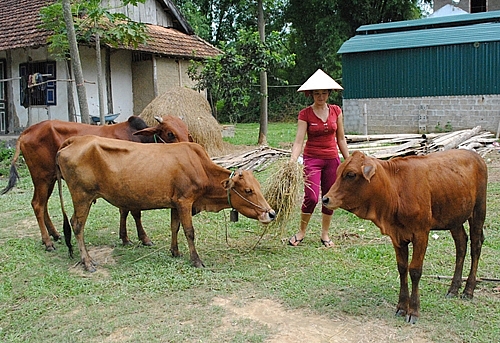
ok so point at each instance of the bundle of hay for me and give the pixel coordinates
(195, 110)
(282, 190)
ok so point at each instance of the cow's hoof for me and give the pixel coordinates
(400, 313)
(56, 237)
(411, 319)
(450, 295)
(50, 247)
(148, 243)
(467, 296)
(90, 267)
(198, 264)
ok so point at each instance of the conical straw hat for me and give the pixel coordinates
(319, 80)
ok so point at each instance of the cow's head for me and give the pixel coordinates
(170, 129)
(245, 196)
(353, 185)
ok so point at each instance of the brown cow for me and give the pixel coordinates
(409, 196)
(39, 144)
(144, 176)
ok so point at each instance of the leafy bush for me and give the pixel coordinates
(6, 154)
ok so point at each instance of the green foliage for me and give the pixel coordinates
(5, 158)
(5, 152)
(310, 33)
(229, 77)
(447, 128)
(90, 18)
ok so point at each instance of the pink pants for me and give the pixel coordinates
(318, 173)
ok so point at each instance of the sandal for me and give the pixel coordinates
(294, 241)
(328, 243)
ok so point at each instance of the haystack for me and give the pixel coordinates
(195, 110)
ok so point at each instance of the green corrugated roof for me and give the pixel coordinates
(457, 29)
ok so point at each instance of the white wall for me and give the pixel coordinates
(121, 84)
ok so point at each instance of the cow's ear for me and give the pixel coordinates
(190, 138)
(368, 171)
(227, 184)
(149, 131)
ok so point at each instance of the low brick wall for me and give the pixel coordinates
(421, 115)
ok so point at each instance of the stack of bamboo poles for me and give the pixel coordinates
(388, 146)
(379, 146)
(255, 159)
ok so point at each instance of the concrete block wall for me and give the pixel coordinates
(421, 115)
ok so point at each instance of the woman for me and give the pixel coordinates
(325, 137)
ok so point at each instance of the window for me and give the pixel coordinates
(36, 87)
(477, 6)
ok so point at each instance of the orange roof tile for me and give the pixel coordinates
(171, 42)
(20, 20)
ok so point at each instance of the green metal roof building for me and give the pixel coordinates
(422, 65)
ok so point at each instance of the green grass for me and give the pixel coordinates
(279, 135)
(143, 294)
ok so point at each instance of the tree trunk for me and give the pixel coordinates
(263, 82)
(75, 62)
(100, 92)
(71, 96)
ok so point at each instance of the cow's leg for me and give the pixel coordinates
(187, 224)
(140, 229)
(48, 222)
(143, 237)
(401, 249)
(123, 227)
(78, 223)
(460, 237)
(39, 203)
(420, 242)
(175, 224)
(476, 243)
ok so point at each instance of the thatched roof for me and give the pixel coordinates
(195, 110)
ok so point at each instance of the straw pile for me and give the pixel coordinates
(195, 110)
(282, 190)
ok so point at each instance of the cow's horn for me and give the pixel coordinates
(159, 119)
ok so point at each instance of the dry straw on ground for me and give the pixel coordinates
(194, 109)
(282, 190)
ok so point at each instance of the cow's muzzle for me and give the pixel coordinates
(326, 202)
(267, 217)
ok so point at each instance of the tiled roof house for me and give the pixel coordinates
(133, 76)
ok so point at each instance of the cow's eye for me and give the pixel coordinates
(248, 191)
(170, 136)
(350, 175)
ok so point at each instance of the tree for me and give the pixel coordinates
(263, 81)
(316, 38)
(75, 62)
(310, 33)
(87, 21)
(230, 77)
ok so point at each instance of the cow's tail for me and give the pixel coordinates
(14, 176)
(66, 225)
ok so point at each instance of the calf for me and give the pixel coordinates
(152, 176)
(409, 196)
(39, 144)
